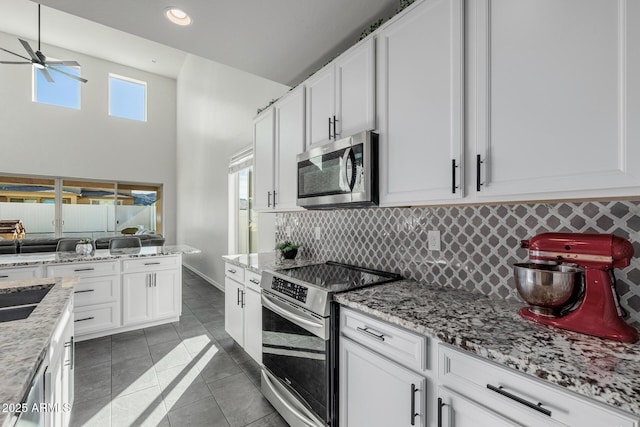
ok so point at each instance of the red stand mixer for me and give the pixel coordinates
(569, 283)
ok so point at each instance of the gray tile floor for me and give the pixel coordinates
(188, 373)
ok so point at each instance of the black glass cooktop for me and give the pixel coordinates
(336, 277)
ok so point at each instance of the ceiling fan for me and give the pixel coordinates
(41, 62)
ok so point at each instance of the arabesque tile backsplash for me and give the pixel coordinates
(479, 243)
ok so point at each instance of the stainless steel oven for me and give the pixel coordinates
(299, 338)
(340, 174)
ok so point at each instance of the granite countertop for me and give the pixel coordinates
(259, 262)
(605, 370)
(24, 343)
(20, 260)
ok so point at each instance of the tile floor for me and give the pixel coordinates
(188, 373)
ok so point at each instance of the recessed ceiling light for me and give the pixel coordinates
(177, 16)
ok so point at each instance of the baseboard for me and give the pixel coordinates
(203, 276)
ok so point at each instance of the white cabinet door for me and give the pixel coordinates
(355, 89)
(233, 310)
(420, 105)
(556, 100)
(289, 143)
(320, 106)
(253, 324)
(458, 411)
(136, 298)
(376, 392)
(263, 159)
(166, 294)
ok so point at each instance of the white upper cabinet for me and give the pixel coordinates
(263, 160)
(420, 104)
(289, 143)
(556, 98)
(341, 97)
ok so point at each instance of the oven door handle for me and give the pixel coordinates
(287, 405)
(288, 315)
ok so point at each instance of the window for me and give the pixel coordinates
(243, 223)
(64, 91)
(87, 208)
(127, 98)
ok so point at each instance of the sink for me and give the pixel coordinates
(16, 313)
(18, 303)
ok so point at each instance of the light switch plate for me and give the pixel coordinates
(433, 238)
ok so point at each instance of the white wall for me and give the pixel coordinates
(216, 107)
(87, 143)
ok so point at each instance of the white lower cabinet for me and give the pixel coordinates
(375, 391)
(243, 309)
(476, 392)
(150, 296)
(383, 374)
(20, 273)
(456, 410)
(58, 390)
(234, 309)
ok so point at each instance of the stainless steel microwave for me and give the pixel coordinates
(343, 173)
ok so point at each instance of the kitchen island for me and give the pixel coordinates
(24, 343)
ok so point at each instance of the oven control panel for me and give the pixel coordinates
(292, 290)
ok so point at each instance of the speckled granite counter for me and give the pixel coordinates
(99, 255)
(265, 261)
(23, 343)
(604, 370)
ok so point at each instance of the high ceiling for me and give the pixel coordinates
(281, 40)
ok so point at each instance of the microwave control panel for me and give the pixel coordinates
(292, 290)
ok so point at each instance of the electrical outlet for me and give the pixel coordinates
(433, 238)
(318, 234)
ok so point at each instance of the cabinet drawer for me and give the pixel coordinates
(234, 272)
(94, 318)
(20, 273)
(96, 290)
(391, 341)
(84, 269)
(149, 264)
(500, 388)
(252, 280)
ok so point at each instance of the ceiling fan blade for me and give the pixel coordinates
(68, 74)
(13, 53)
(15, 62)
(41, 57)
(66, 63)
(30, 51)
(46, 75)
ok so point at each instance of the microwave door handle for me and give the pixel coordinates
(348, 171)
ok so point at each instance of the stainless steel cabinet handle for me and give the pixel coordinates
(413, 404)
(85, 269)
(440, 405)
(274, 198)
(242, 293)
(453, 176)
(479, 163)
(85, 319)
(238, 295)
(83, 291)
(365, 330)
(231, 271)
(151, 263)
(538, 407)
(257, 282)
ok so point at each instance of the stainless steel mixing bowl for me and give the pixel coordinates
(547, 287)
